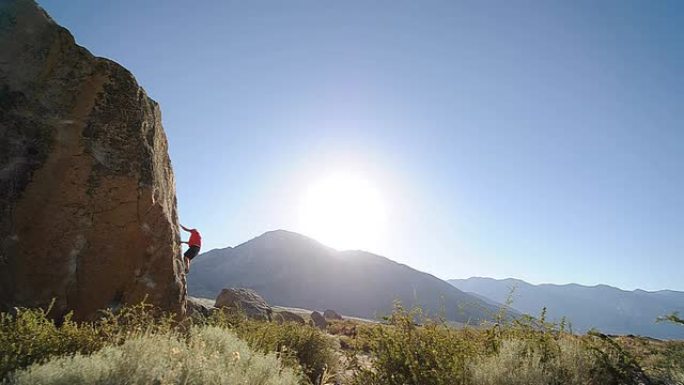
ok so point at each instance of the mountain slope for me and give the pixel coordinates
(289, 269)
(606, 308)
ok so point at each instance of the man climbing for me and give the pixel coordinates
(194, 245)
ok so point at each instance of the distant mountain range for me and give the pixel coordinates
(289, 269)
(609, 309)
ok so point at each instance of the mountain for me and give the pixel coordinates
(606, 308)
(289, 269)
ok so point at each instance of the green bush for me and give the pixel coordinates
(297, 345)
(525, 351)
(520, 362)
(404, 353)
(662, 361)
(30, 336)
(674, 318)
(210, 355)
(140, 345)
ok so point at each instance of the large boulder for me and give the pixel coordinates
(331, 315)
(87, 194)
(246, 300)
(318, 320)
(288, 316)
(198, 308)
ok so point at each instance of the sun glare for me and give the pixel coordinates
(344, 212)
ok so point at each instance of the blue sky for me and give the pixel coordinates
(528, 139)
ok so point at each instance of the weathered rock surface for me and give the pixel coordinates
(331, 315)
(196, 308)
(318, 320)
(246, 300)
(87, 193)
(288, 316)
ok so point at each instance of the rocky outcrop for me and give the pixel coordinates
(331, 315)
(245, 300)
(318, 320)
(288, 316)
(87, 194)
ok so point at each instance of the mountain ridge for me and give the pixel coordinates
(290, 269)
(571, 284)
(610, 309)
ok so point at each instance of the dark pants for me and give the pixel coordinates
(192, 252)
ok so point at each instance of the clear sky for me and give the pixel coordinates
(542, 140)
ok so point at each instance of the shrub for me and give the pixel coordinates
(674, 318)
(404, 353)
(662, 361)
(520, 362)
(525, 351)
(30, 336)
(342, 327)
(210, 355)
(139, 345)
(514, 364)
(297, 345)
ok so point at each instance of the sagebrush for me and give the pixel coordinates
(209, 355)
(138, 344)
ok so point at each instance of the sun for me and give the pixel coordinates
(344, 212)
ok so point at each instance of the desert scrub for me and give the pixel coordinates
(209, 355)
(662, 361)
(404, 353)
(299, 346)
(523, 362)
(412, 350)
(342, 327)
(30, 336)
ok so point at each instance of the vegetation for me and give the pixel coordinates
(138, 345)
(524, 351)
(661, 361)
(31, 338)
(297, 345)
(209, 355)
(674, 318)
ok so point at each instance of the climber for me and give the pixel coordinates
(194, 245)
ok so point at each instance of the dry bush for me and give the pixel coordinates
(210, 355)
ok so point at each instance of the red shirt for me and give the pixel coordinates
(195, 238)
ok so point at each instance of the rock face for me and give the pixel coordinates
(87, 194)
(332, 315)
(318, 320)
(288, 316)
(246, 300)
